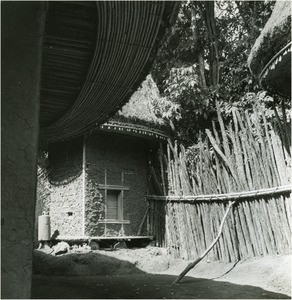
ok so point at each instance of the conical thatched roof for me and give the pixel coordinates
(145, 115)
(147, 107)
(275, 35)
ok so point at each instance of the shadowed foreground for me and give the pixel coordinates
(143, 286)
(99, 275)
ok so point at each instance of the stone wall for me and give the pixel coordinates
(66, 185)
(124, 160)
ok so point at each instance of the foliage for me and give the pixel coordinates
(209, 36)
(254, 104)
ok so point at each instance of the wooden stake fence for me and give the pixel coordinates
(246, 159)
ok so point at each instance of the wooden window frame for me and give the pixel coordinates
(120, 190)
(119, 206)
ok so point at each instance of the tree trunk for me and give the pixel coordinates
(201, 63)
(212, 32)
(202, 69)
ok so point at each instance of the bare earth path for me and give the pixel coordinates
(148, 274)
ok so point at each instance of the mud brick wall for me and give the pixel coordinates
(115, 155)
(43, 203)
(125, 162)
(66, 185)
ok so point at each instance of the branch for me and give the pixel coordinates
(192, 265)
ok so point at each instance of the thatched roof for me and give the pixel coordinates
(146, 106)
(275, 35)
(145, 115)
(95, 55)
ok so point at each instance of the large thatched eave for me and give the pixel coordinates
(270, 57)
(95, 55)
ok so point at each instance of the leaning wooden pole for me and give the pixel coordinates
(192, 265)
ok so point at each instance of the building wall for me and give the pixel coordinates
(22, 26)
(43, 202)
(66, 185)
(124, 160)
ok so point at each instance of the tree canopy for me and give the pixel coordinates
(204, 60)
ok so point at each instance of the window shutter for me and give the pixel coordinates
(112, 205)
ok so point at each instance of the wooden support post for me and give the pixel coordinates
(105, 203)
(121, 204)
(143, 220)
(156, 182)
(83, 184)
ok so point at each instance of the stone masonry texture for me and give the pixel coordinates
(22, 30)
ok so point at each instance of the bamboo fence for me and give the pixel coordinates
(248, 160)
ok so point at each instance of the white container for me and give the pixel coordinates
(44, 227)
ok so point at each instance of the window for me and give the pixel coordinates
(113, 205)
(114, 195)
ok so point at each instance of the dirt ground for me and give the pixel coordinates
(148, 273)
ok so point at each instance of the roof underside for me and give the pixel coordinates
(276, 76)
(95, 55)
(270, 56)
(70, 37)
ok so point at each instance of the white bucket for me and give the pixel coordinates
(44, 227)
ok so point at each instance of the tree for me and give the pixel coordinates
(204, 59)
